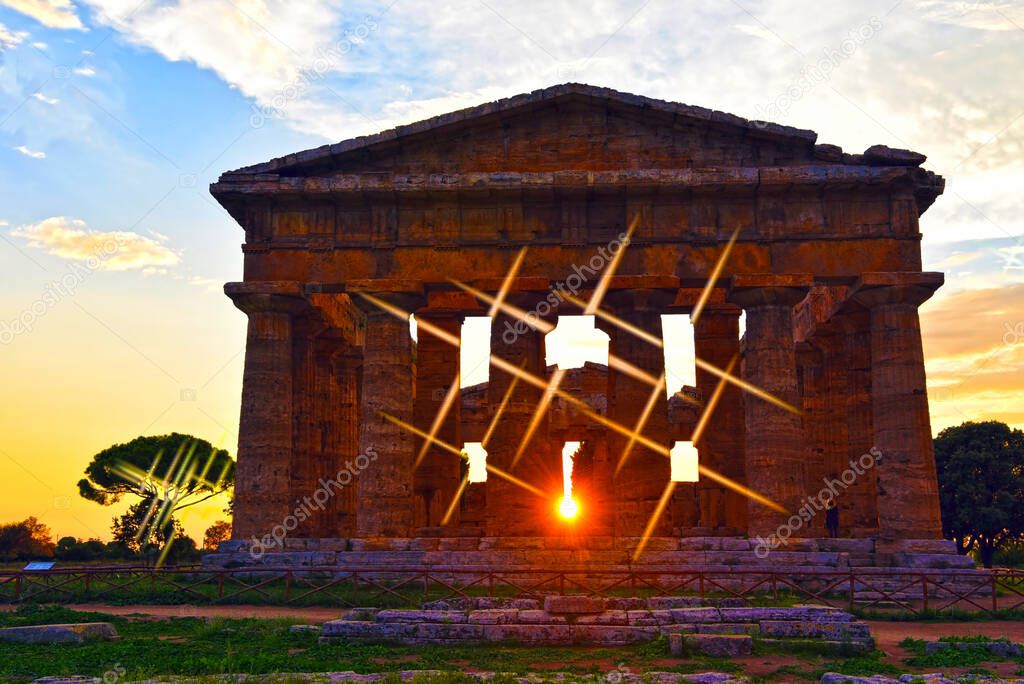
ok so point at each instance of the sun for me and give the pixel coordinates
(568, 508)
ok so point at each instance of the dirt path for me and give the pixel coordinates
(300, 614)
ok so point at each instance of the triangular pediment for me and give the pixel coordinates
(569, 126)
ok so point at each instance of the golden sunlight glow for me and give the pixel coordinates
(568, 508)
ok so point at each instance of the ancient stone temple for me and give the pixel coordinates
(344, 242)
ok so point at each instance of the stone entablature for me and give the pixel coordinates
(826, 268)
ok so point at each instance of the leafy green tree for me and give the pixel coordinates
(182, 469)
(134, 532)
(215, 534)
(72, 549)
(981, 486)
(26, 539)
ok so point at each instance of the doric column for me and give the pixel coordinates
(343, 436)
(512, 510)
(821, 430)
(311, 397)
(642, 472)
(859, 414)
(384, 487)
(774, 436)
(437, 370)
(908, 501)
(263, 498)
(716, 339)
(845, 426)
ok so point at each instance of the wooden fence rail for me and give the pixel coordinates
(863, 588)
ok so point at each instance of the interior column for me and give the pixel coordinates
(774, 435)
(716, 339)
(388, 451)
(642, 473)
(437, 370)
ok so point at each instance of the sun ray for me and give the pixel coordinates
(746, 386)
(402, 314)
(635, 372)
(506, 284)
(496, 303)
(483, 444)
(716, 272)
(634, 330)
(605, 281)
(538, 414)
(454, 391)
(716, 396)
(458, 452)
(455, 500)
(698, 432)
(659, 510)
(641, 423)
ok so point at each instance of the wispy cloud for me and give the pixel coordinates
(45, 100)
(9, 38)
(1012, 256)
(953, 260)
(53, 13)
(260, 47)
(974, 346)
(35, 154)
(113, 250)
(85, 71)
(983, 16)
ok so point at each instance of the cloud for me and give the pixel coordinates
(983, 16)
(953, 260)
(9, 38)
(261, 47)
(114, 250)
(30, 153)
(45, 100)
(52, 13)
(85, 71)
(974, 351)
(758, 31)
(1012, 256)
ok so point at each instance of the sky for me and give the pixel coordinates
(116, 115)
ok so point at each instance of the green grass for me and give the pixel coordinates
(196, 646)
(859, 666)
(951, 657)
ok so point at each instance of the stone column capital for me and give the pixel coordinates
(408, 302)
(756, 290)
(909, 288)
(623, 302)
(441, 315)
(284, 297)
(719, 311)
